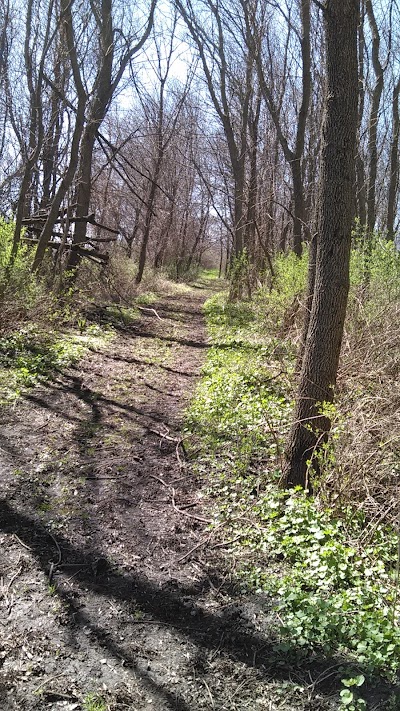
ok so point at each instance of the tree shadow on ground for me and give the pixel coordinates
(207, 630)
(94, 400)
(137, 361)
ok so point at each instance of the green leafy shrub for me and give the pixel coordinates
(331, 594)
(286, 290)
(332, 579)
(29, 356)
(20, 290)
(382, 269)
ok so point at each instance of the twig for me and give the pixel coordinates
(57, 546)
(3, 588)
(180, 462)
(28, 548)
(14, 577)
(157, 478)
(185, 513)
(54, 566)
(177, 440)
(198, 545)
(209, 693)
(163, 435)
(143, 308)
(44, 425)
(104, 478)
(228, 543)
(174, 506)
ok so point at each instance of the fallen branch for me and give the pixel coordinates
(192, 550)
(185, 513)
(28, 548)
(143, 308)
(228, 543)
(175, 507)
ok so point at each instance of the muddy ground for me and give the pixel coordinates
(111, 597)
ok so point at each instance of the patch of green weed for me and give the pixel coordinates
(94, 702)
(29, 356)
(240, 400)
(148, 297)
(332, 593)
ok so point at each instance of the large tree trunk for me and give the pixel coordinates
(322, 348)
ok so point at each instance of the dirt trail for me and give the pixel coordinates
(104, 589)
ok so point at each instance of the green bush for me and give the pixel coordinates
(20, 290)
(333, 593)
(285, 292)
(378, 265)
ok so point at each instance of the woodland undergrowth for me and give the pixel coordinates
(329, 564)
(46, 324)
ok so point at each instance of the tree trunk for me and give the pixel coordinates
(322, 348)
(298, 211)
(83, 192)
(394, 163)
(312, 255)
(68, 176)
(361, 191)
(373, 121)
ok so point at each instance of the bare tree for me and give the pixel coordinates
(274, 101)
(112, 53)
(215, 29)
(34, 67)
(110, 70)
(164, 129)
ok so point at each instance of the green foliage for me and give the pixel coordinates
(208, 274)
(381, 259)
(117, 315)
(333, 593)
(148, 297)
(19, 288)
(290, 275)
(286, 288)
(350, 700)
(29, 356)
(94, 702)
(239, 399)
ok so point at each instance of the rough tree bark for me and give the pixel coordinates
(336, 200)
(394, 163)
(361, 192)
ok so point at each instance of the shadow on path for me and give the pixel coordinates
(163, 605)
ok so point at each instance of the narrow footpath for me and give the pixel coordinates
(107, 598)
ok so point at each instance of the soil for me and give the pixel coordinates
(111, 598)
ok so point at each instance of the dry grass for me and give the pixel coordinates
(366, 472)
(116, 283)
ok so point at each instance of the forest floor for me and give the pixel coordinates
(110, 597)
